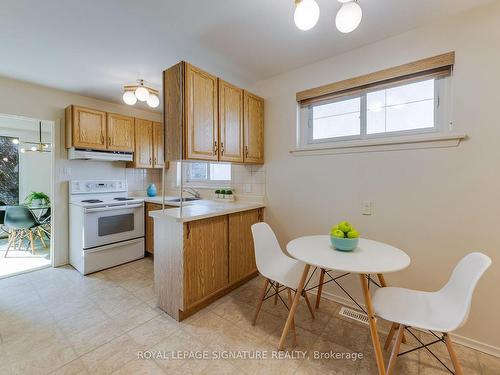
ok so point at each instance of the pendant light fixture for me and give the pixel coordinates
(349, 16)
(347, 20)
(142, 93)
(306, 14)
(35, 146)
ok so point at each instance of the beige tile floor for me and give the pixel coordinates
(59, 322)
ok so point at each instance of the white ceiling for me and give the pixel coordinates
(93, 47)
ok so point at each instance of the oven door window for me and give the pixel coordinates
(115, 224)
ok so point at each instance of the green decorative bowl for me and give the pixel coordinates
(344, 244)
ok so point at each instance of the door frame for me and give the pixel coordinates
(54, 219)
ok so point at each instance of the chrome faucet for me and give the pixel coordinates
(193, 192)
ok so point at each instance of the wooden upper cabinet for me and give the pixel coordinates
(253, 123)
(230, 122)
(85, 128)
(158, 145)
(120, 133)
(201, 126)
(143, 155)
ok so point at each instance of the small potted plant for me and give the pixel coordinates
(229, 194)
(37, 198)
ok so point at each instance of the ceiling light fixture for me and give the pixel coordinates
(141, 92)
(349, 16)
(306, 14)
(347, 20)
(36, 146)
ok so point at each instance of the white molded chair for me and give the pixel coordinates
(443, 311)
(281, 271)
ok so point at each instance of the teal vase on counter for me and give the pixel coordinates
(151, 190)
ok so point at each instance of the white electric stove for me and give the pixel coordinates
(106, 225)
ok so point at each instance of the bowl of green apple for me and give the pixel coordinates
(344, 237)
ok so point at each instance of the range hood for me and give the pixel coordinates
(81, 154)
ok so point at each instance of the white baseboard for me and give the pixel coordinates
(462, 340)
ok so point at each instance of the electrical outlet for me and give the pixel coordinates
(367, 208)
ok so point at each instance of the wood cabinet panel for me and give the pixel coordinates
(143, 154)
(230, 122)
(150, 234)
(201, 115)
(241, 248)
(253, 128)
(87, 128)
(120, 132)
(158, 145)
(205, 258)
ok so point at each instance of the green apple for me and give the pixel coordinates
(353, 233)
(345, 227)
(334, 229)
(338, 233)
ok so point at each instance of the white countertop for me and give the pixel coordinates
(201, 209)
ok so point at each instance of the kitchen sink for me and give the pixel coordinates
(183, 199)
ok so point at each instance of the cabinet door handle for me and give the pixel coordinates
(215, 148)
(150, 160)
(154, 159)
(246, 151)
(222, 148)
(109, 140)
(102, 138)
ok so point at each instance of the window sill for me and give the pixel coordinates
(382, 144)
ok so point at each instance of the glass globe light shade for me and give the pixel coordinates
(142, 93)
(153, 101)
(22, 150)
(306, 14)
(15, 141)
(348, 17)
(129, 98)
(33, 148)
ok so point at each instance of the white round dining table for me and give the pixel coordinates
(370, 257)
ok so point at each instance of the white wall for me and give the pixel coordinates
(436, 204)
(38, 102)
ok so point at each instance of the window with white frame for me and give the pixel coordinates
(399, 109)
(206, 173)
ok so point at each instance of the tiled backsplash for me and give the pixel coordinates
(138, 180)
(245, 179)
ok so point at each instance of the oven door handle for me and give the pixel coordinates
(109, 208)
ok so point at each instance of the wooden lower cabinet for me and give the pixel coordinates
(217, 256)
(241, 250)
(205, 258)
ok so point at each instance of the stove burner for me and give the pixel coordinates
(91, 201)
(123, 199)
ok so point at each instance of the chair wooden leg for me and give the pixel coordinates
(276, 290)
(390, 336)
(373, 325)
(293, 308)
(39, 233)
(320, 287)
(308, 304)
(383, 284)
(294, 331)
(32, 242)
(21, 237)
(453, 355)
(12, 237)
(261, 300)
(395, 350)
